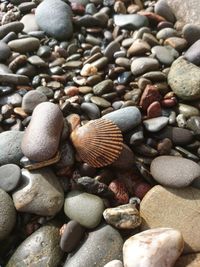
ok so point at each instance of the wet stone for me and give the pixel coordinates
(45, 252)
(91, 110)
(10, 175)
(87, 254)
(48, 202)
(103, 87)
(31, 99)
(100, 101)
(84, 208)
(123, 217)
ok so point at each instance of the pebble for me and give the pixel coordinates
(125, 118)
(138, 47)
(184, 11)
(86, 209)
(176, 203)
(193, 123)
(100, 101)
(111, 49)
(163, 54)
(103, 87)
(42, 136)
(149, 95)
(91, 110)
(48, 202)
(30, 24)
(114, 263)
(123, 217)
(177, 43)
(152, 247)
(10, 147)
(41, 249)
(8, 214)
(5, 51)
(31, 99)
(24, 45)
(193, 53)
(120, 191)
(155, 124)
(154, 110)
(144, 64)
(162, 9)
(88, 254)
(130, 21)
(60, 25)
(10, 175)
(178, 136)
(14, 26)
(10, 78)
(187, 110)
(175, 172)
(72, 233)
(179, 79)
(166, 33)
(191, 33)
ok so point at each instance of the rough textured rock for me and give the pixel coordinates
(10, 147)
(54, 17)
(7, 214)
(101, 246)
(174, 171)
(40, 249)
(40, 193)
(186, 11)
(42, 136)
(175, 208)
(158, 247)
(86, 209)
(179, 79)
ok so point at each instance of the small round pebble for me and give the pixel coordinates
(9, 177)
(31, 99)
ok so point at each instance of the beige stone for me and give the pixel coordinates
(175, 208)
(190, 260)
(158, 247)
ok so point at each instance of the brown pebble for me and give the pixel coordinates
(149, 95)
(154, 110)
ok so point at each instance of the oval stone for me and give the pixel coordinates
(42, 136)
(60, 25)
(9, 177)
(142, 65)
(7, 214)
(101, 246)
(86, 209)
(24, 45)
(31, 99)
(152, 247)
(39, 249)
(125, 118)
(174, 171)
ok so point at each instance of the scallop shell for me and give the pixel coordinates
(98, 143)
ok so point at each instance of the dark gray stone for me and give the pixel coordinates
(39, 249)
(109, 244)
(24, 45)
(31, 99)
(10, 147)
(13, 78)
(55, 18)
(15, 26)
(7, 214)
(91, 110)
(10, 175)
(191, 33)
(130, 21)
(4, 51)
(163, 9)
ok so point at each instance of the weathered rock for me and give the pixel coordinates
(180, 212)
(86, 209)
(60, 25)
(9, 177)
(174, 171)
(42, 136)
(123, 217)
(179, 78)
(39, 249)
(109, 244)
(7, 214)
(10, 147)
(152, 247)
(40, 193)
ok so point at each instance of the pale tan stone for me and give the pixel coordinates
(175, 208)
(158, 247)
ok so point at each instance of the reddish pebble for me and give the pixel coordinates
(140, 189)
(120, 191)
(152, 16)
(164, 146)
(78, 8)
(150, 95)
(169, 102)
(154, 110)
(71, 90)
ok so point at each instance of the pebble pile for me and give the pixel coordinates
(99, 133)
